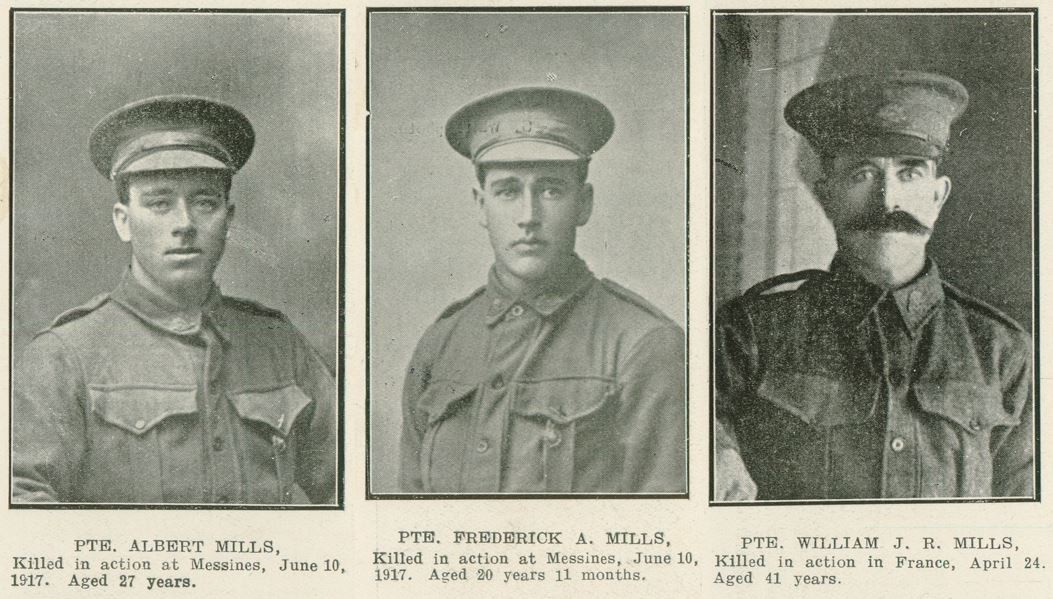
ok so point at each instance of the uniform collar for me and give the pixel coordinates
(160, 313)
(845, 295)
(572, 279)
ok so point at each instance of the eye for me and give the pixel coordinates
(506, 193)
(208, 203)
(551, 192)
(158, 204)
(862, 175)
(910, 174)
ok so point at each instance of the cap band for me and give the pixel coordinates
(158, 141)
(527, 150)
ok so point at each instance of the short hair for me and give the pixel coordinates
(582, 171)
(120, 183)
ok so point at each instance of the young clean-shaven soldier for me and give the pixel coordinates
(546, 379)
(165, 390)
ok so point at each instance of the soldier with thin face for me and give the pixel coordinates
(547, 379)
(877, 378)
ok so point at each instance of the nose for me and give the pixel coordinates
(888, 192)
(528, 211)
(183, 220)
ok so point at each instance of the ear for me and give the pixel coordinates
(942, 193)
(120, 222)
(479, 198)
(227, 219)
(584, 205)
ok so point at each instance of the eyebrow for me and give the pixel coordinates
(914, 162)
(559, 180)
(505, 181)
(909, 161)
(156, 191)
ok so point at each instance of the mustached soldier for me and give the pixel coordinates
(877, 378)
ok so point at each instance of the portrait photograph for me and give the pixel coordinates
(874, 256)
(176, 242)
(527, 201)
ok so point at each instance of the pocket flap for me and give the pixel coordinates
(139, 409)
(562, 400)
(973, 406)
(440, 397)
(821, 400)
(277, 408)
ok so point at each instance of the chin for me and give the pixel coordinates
(529, 270)
(877, 248)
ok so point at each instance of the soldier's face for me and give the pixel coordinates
(177, 224)
(890, 199)
(532, 212)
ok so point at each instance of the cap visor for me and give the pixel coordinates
(527, 150)
(897, 145)
(167, 160)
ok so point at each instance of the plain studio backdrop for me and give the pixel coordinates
(426, 248)
(281, 70)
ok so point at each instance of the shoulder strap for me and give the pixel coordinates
(981, 306)
(632, 298)
(254, 307)
(80, 311)
(461, 303)
(783, 279)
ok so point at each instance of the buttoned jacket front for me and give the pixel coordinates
(578, 388)
(125, 401)
(842, 390)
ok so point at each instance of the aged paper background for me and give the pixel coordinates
(364, 526)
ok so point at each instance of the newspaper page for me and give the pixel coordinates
(381, 299)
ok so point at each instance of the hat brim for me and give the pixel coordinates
(888, 144)
(528, 150)
(176, 159)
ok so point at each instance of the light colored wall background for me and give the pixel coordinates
(426, 250)
(767, 221)
(281, 70)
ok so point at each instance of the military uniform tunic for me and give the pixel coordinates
(840, 389)
(576, 388)
(124, 400)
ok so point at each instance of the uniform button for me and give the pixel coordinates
(974, 424)
(224, 498)
(482, 446)
(898, 444)
(498, 382)
(217, 444)
(516, 311)
(553, 438)
(140, 424)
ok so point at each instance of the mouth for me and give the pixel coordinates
(183, 252)
(529, 244)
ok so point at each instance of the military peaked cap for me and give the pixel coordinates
(171, 132)
(888, 114)
(530, 124)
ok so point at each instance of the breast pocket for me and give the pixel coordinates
(563, 434)
(443, 407)
(272, 415)
(799, 431)
(140, 436)
(958, 420)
